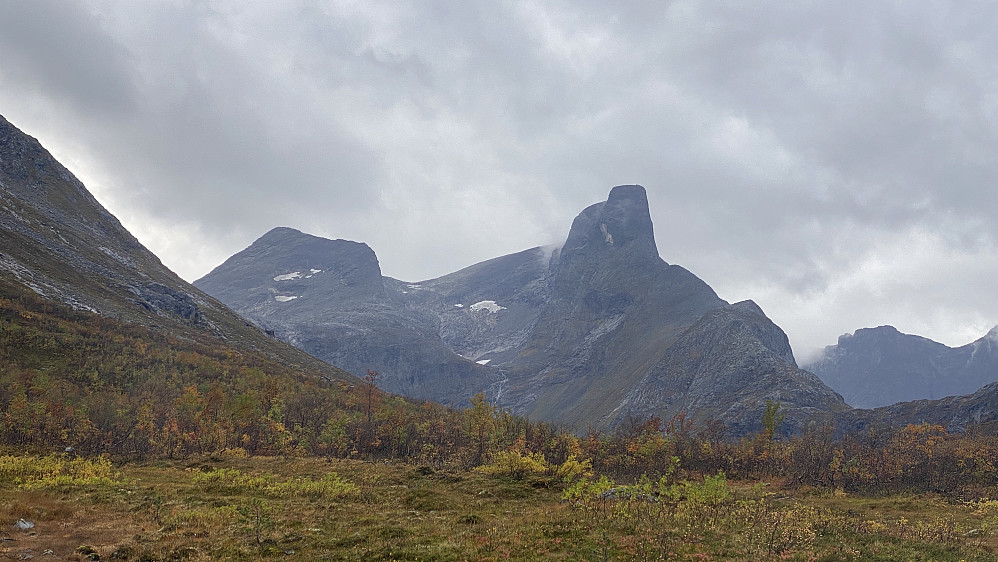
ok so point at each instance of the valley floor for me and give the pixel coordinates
(234, 507)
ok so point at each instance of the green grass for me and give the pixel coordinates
(313, 509)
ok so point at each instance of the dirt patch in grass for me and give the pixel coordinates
(63, 522)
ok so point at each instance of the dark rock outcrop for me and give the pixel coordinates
(159, 298)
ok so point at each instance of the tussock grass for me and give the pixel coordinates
(233, 507)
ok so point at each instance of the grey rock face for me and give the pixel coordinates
(881, 366)
(328, 297)
(587, 334)
(726, 365)
(161, 299)
(614, 307)
(485, 312)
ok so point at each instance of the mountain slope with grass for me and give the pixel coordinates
(62, 244)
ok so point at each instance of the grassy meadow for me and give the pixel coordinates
(235, 507)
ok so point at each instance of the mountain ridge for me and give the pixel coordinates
(559, 334)
(874, 367)
(326, 286)
(489, 325)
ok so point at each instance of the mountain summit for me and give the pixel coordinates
(587, 334)
(621, 223)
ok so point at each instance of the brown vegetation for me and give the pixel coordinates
(652, 488)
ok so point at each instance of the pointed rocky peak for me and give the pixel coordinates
(280, 234)
(626, 216)
(749, 307)
(622, 221)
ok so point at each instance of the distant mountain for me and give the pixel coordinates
(586, 334)
(954, 413)
(59, 241)
(881, 366)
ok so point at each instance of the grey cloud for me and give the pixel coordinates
(794, 153)
(60, 49)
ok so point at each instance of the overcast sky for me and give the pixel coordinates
(834, 161)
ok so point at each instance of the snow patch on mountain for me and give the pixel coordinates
(491, 306)
(288, 276)
(284, 298)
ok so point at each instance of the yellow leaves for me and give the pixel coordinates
(232, 481)
(573, 469)
(33, 472)
(234, 453)
(923, 437)
(514, 464)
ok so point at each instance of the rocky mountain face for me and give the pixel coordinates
(586, 334)
(59, 241)
(328, 297)
(723, 365)
(876, 367)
